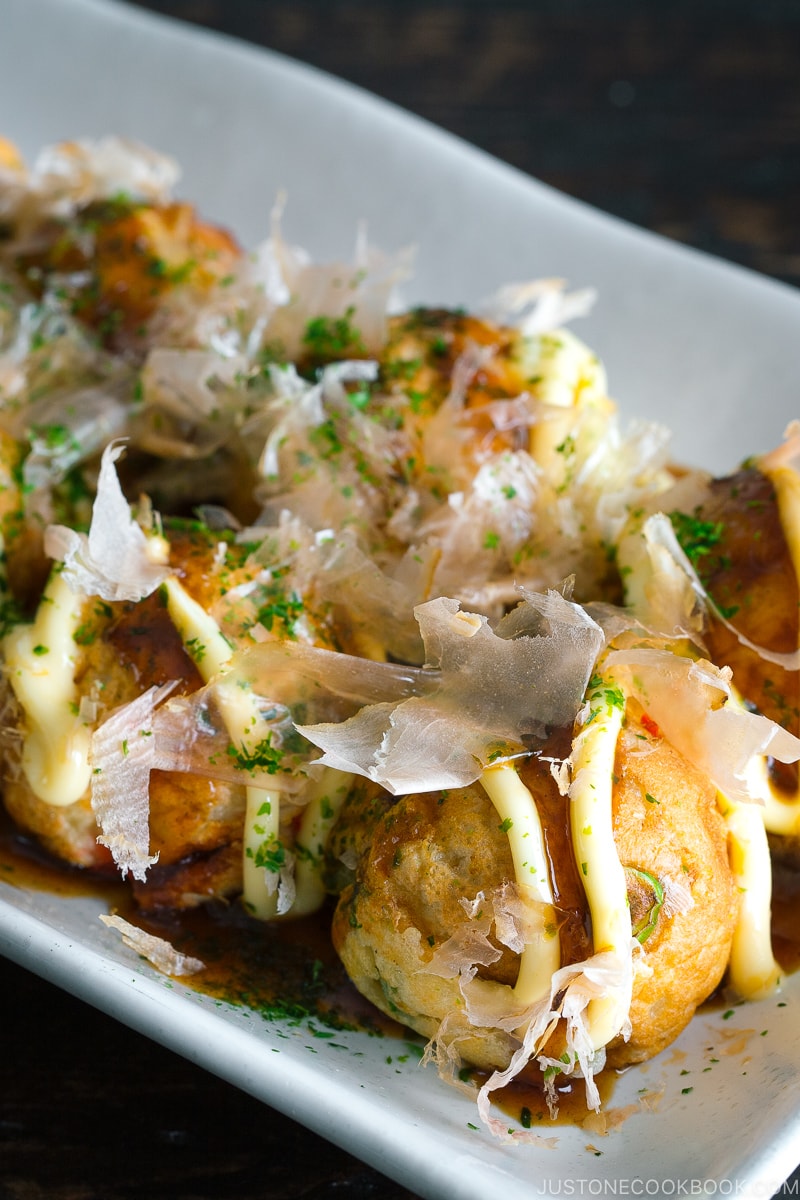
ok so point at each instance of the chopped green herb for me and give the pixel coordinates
(697, 537)
(271, 854)
(328, 338)
(262, 757)
(197, 649)
(603, 697)
(282, 608)
(649, 889)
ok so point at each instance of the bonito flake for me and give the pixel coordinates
(115, 560)
(493, 694)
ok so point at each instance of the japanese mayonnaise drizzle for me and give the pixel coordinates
(40, 662)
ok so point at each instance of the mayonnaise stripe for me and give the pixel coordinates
(40, 664)
(752, 969)
(519, 819)
(601, 872)
(211, 652)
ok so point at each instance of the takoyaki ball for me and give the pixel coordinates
(121, 650)
(739, 549)
(116, 260)
(427, 853)
(438, 359)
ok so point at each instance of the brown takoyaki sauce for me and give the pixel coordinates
(553, 808)
(737, 544)
(282, 969)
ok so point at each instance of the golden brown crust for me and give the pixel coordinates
(427, 853)
(122, 649)
(121, 258)
(70, 833)
(666, 822)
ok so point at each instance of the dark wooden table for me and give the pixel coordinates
(682, 117)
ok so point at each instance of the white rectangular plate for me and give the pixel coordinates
(706, 346)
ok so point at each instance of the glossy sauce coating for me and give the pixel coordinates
(751, 577)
